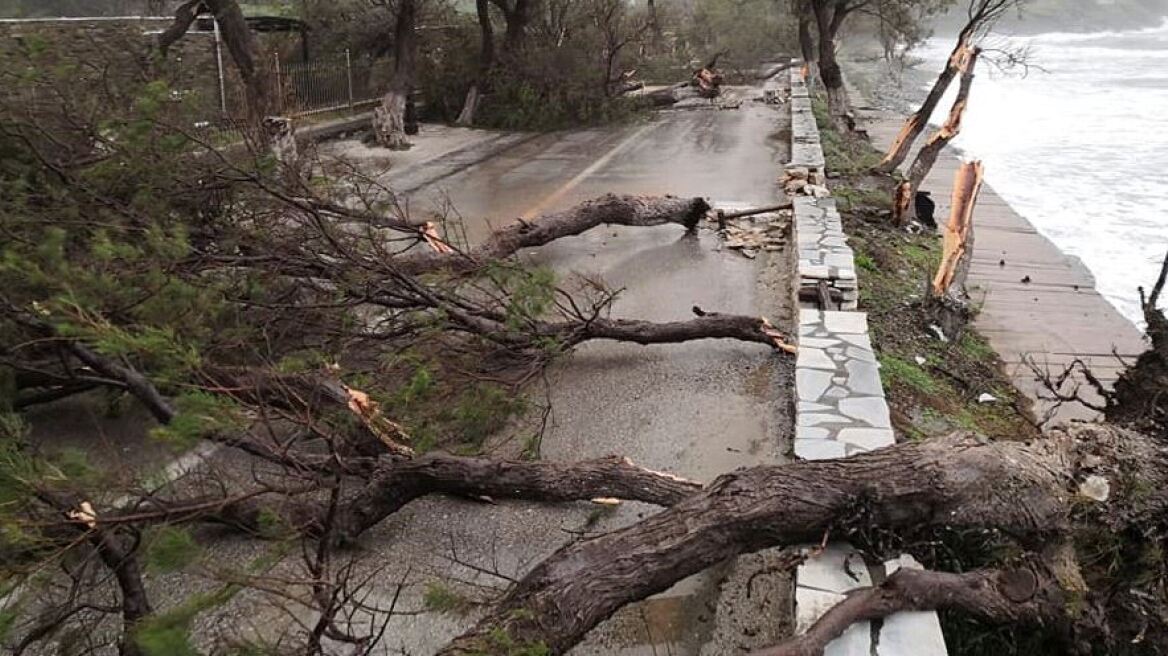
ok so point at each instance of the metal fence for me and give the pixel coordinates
(325, 85)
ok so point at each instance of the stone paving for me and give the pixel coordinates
(806, 151)
(841, 407)
(841, 410)
(824, 254)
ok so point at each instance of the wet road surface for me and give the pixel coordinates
(696, 409)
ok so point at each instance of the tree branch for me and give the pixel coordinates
(607, 210)
(1013, 596)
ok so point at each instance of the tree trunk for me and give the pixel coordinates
(259, 87)
(486, 63)
(389, 123)
(806, 40)
(948, 302)
(518, 17)
(915, 124)
(828, 18)
(609, 209)
(958, 481)
(923, 163)
(653, 24)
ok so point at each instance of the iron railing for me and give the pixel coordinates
(325, 85)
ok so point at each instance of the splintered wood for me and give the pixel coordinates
(902, 203)
(433, 239)
(958, 246)
(764, 229)
(389, 432)
(907, 131)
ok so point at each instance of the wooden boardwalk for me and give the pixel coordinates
(1056, 317)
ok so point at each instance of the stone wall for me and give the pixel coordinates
(840, 408)
(125, 49)
(113, 52)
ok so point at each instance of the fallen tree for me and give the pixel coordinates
(637, 211)
(1025, 491)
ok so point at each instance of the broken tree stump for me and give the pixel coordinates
(947, 297)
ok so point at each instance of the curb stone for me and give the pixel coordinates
(840, 408)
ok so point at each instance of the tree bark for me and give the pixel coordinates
(259, 87)
(518, 15)
(927, 156)
(958, 481)
(711, 326)
(389, 125)
(1028, 595)
(829, 17)
(609, 209)
(396, 482)
(958, 246)
(806, 38)
(915, 124)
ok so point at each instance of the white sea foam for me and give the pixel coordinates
(1081, 150)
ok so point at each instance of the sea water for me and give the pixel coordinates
(1080, 147)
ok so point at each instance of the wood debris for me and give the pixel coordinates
(389, 432)
(764, 229)
(84, 514)
(435, 241)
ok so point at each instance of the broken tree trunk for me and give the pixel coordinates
(948, 302)
(902, 204)
(395, 482)
(706, 326)
(609, 209)
(958, 481)
(474, 95)
(923, 163)
(389, 119)
(958, 247)
(915, 124)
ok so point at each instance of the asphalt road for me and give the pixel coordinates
(697, 409)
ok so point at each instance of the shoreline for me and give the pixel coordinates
(872, 86)
(1038, 305)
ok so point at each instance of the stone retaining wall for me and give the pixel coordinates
(841, 407)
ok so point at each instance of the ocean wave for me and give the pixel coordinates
(1078, 151)
(1075, 37)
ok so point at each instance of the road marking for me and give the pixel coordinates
(556, 195)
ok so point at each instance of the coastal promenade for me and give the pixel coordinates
(1035, 302)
